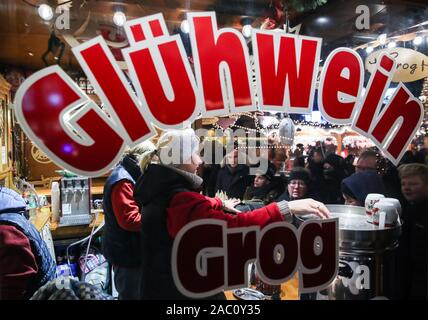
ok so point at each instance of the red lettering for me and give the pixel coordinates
(219, 55)
(198, 258)
(111, 86)
(376, 89)
(241, 251)
(340, 85)
(42, 104)
(162, 77)
(278, 253)
(318, 254)
(286, 79)
(199, 255)
(398, 123)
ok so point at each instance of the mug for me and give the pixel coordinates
(371, 199)
(395, 202)
(385, 214)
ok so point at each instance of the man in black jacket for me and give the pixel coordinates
(414, 186)
(121, 239)
(233, 179)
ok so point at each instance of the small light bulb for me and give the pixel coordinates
(185, 28)
(119, 18)
(382, 38)
(417, 41)
(45, 12)
(246, 30)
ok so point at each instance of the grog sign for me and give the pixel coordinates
(208, 257)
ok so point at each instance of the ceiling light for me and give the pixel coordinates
(392, 44)
(322, 20)
(185, 26)
(45, 12)
(119, 18)
(246, 30)
(418, 40)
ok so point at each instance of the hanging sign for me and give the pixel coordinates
(77, 135)
(411, 65)
(168, 93)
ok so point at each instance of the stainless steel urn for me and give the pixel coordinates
(368, 259)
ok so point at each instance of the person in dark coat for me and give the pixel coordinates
(210, 168)
(349, 165)
(371, 159)
(357, 186)
(121, 238)
(414, 238)
(234, 178)
(25, 261)
(168, 197)
(333, 172)
(315, 167)
(298, 186)
(266, 186)
(367, 160)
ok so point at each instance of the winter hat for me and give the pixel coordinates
(335, 161)
(269, 173)
(176, 147)
(360, 184)
(10, 201)
(299, 174)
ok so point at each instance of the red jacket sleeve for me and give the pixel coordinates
(125, 208)
(17, 263)
(189, 206)
(216, 202)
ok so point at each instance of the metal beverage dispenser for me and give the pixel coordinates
(75, 201)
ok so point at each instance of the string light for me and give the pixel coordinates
(318, 124)
(417, 40)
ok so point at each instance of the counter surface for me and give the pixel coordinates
(43, 217)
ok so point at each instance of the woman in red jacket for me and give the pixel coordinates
(169, 197)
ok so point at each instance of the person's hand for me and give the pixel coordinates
(230, 204)
(306, 206)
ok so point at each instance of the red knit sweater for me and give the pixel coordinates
(186, 207)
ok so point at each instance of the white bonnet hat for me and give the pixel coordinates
(177, 146)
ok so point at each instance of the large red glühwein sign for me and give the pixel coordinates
(64, 123)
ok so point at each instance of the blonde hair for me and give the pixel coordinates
(141, 151)
(413, 169)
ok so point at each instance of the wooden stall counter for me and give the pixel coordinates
(42, 220)
(67, 232)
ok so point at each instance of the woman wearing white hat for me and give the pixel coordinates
(168, 196)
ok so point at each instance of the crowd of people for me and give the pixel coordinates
(148, 200)
(172, 195)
